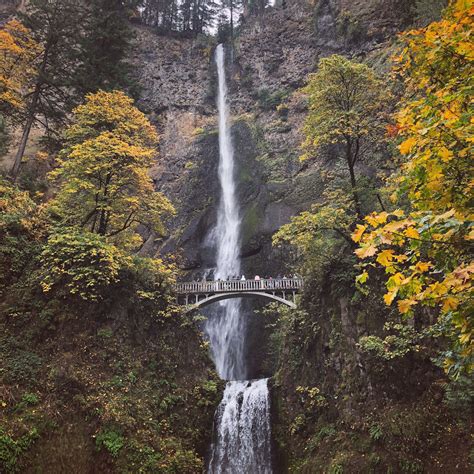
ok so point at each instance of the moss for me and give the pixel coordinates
(12, 448)
(250, 222)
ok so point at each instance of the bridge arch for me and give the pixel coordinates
(238, 294)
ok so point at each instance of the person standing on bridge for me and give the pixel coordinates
(257, 279)
(243, 278)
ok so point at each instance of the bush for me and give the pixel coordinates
(111, 440)
(270, 100)
(21, 367)
(11, 449)
(80, 262)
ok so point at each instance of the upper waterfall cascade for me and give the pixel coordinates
(226, 332)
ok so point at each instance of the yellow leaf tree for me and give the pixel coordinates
(104, 186)
(17, 53)
(431, 246)
(346, 108)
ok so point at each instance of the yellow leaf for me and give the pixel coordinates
(450, 303)
(445, 154)
(423, 266)
(385, 257)
(362, 278)
(407, 145)
(389, 297)
(412, 233)
(375, 219)
(366, 251)
(405, 305)
(356, 236)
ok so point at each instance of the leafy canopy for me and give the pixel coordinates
(17, 53)
(345, 104)
(427, 253)
(104, 186)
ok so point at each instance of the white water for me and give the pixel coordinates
(226, 328)
(243, 430)
(242, 422)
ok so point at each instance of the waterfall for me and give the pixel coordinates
(243, 430)
(226, 328)
(242, 421)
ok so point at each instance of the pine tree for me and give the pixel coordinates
(55, 25)
(103, 47)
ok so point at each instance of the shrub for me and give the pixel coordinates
(270, 100)
(80, 262)
(11, 449)
(21, 367)
(111, 440)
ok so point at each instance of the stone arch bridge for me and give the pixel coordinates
(197, 294)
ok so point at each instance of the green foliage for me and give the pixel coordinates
(110, 440)
(104, 45)
(28, 399)
(21, 229)
(459, 395)
(81, 262)
(11, 449)
(268, 100)
(403, 341)
(376, 432)
(350, 27)
(345, 105)
(19, 366)
(320, 239)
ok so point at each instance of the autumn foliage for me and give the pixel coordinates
(104, 185)
(427, 252)
(17, 53)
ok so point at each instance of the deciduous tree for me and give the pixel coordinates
(103, 179)
(427, 252)
(346, 108)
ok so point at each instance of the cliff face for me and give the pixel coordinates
(273, 55)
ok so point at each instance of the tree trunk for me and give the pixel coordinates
(31, 115)
(350, 164)
(26, 133)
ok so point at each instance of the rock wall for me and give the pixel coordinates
(273, 55)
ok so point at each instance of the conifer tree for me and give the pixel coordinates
(55, 25)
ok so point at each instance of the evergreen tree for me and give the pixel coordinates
(55, 25)
(103, 47)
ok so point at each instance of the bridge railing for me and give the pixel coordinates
(222, 286)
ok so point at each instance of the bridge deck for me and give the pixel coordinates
(232, 286)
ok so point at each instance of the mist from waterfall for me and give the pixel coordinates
(242, 436)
